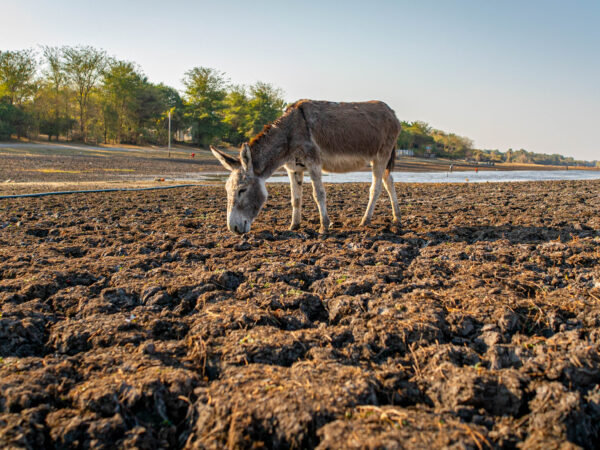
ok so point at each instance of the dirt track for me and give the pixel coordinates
(136, 320)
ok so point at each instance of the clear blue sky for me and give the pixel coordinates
(520, 74)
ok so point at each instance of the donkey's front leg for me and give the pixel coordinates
(296, 177)
(319, 196)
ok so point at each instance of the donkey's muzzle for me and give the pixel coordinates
(240, 228)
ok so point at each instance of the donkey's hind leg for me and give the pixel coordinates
(296, 177)
(388, 182)
(320, 197)
(375, 191)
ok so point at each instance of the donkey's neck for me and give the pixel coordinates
(269, 151)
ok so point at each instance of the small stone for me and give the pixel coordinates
(149, 348)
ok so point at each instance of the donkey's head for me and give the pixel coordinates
(246, 192)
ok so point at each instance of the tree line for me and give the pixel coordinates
(83, 94)
(427, 141)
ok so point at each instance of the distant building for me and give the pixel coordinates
(405, 152)
(184, 135)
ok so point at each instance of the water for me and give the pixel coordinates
(429, 177)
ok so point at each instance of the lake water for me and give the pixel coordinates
(431, 177)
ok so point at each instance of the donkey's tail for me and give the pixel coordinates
(390, 164)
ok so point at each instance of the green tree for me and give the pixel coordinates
(236, 115)
(406, 137)
(205, 92)
(17, 75)
(151, 114)
(120, 94)
(133, 109)
(265, 105)
(170, 101)
(84, 67)
(416, 136)
(453, 145)
(17, 86)
(8, 118)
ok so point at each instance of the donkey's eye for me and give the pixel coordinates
(241, 191)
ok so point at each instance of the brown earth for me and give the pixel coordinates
(136, 320)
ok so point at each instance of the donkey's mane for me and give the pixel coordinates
(256, 139)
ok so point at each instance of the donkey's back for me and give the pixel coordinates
(358, 129)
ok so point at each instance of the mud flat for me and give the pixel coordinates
(135, 320)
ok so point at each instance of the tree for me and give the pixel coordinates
(8, 118)
(236, 115)
(509, 155)
(17, 75)
(152, 114)
(121, 90)
(405, 139)
(265, 105)
(133, 109)
(522, 156)
(52, 98)
(479, 155)
(84, 66)
(55, 70)
(416, 136)
(454, 146)
(171, 102)
(205, 93)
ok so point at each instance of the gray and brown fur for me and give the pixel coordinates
(313, 136)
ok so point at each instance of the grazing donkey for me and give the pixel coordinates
(315, 136)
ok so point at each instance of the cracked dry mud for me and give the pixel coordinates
(136, 320)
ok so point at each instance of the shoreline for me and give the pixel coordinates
(16, 188)
(204, 161)
(42, 167)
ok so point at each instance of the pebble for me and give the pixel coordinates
(148, 348)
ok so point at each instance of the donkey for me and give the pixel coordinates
(316, 136)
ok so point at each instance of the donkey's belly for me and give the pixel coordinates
(343, 163)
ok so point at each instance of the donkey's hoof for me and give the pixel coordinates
(294, 227)
(365, 223)
(323, 230)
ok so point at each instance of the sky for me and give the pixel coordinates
(510, 74)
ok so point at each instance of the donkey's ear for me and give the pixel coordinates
(229, 162)
(246, 158)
